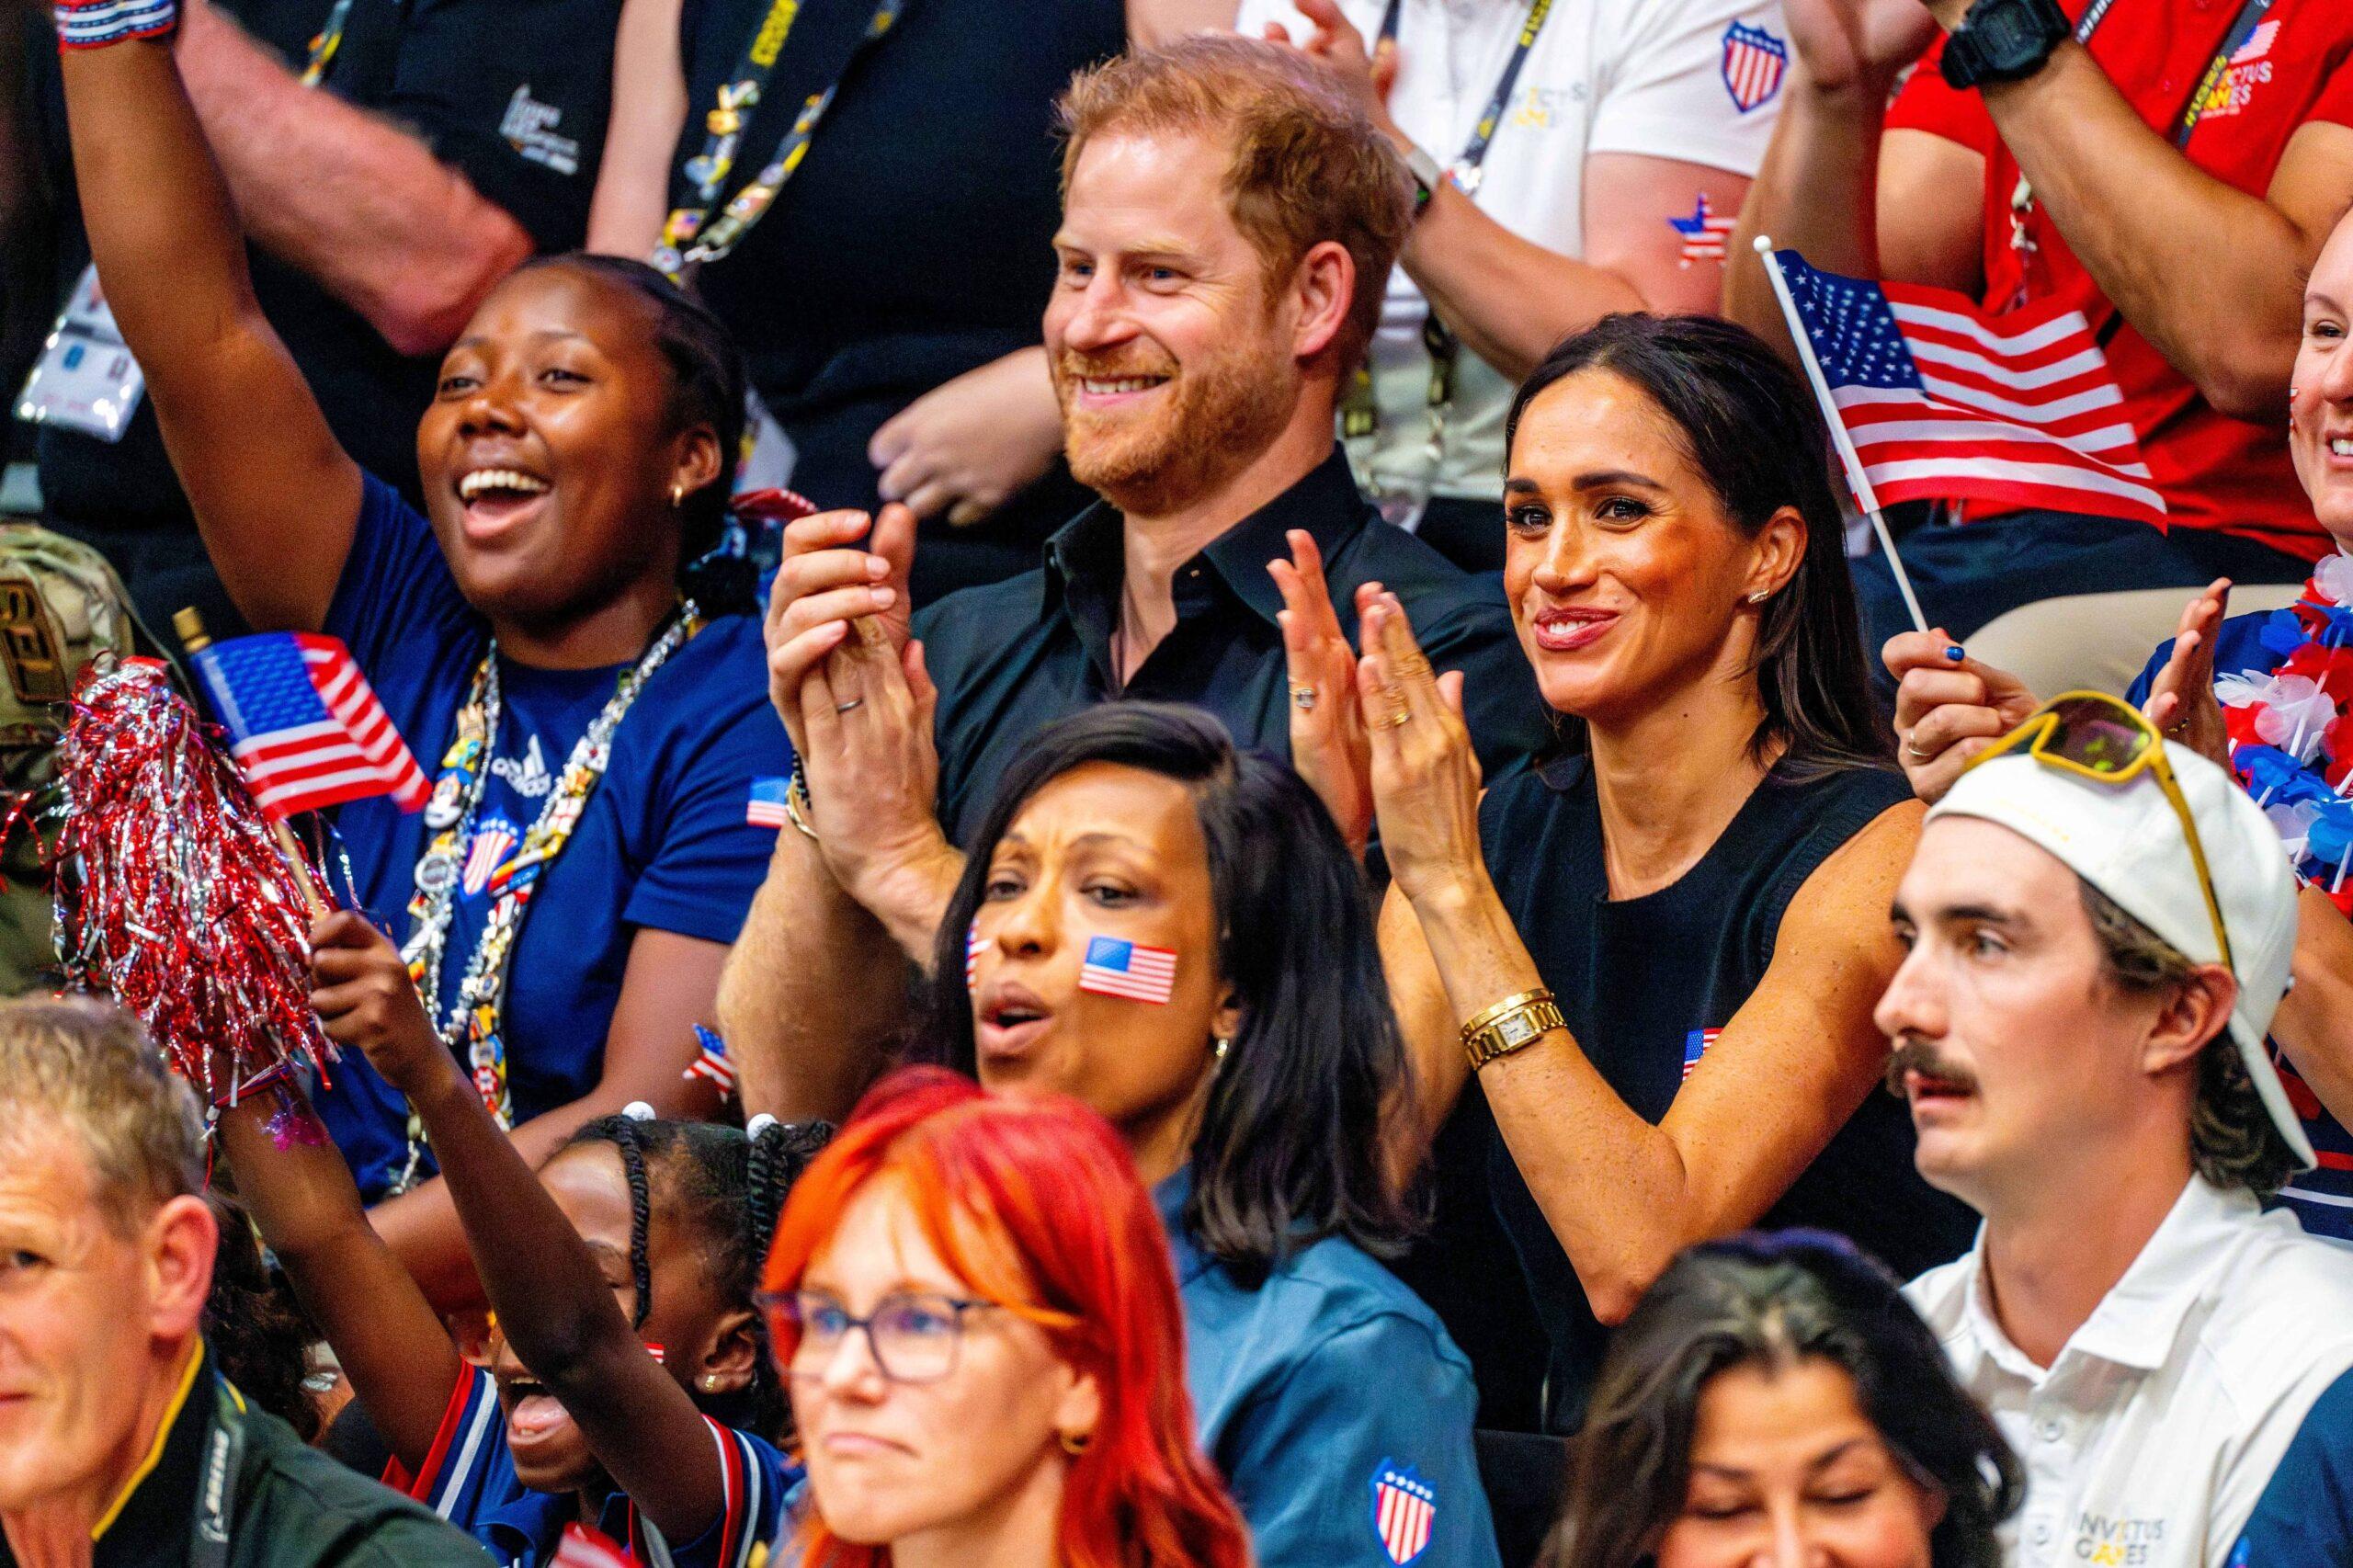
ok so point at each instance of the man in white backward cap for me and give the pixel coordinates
(2099, 926)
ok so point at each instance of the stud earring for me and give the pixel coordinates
(678, 495)
(1223, 1045)
(1759, 596)
(711, 1382)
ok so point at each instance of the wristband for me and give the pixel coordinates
(94, 24)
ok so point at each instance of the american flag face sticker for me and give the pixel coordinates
(1129, 970)
(1404, 1509)
(1754, 63)
(973, 943)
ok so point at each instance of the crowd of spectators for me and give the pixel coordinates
(1324, 904)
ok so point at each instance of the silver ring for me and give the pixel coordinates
(1303, 698)
(846, 707)
(1916, 753)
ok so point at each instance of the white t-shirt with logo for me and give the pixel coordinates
(2152, 1435)
(1661, 78)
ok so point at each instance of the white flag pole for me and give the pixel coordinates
(1853, 464)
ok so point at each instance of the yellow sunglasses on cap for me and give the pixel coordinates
(2108, 741)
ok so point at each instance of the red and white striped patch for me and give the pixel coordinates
(1405, 1511)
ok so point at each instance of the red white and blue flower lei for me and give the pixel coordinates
(2291, 736)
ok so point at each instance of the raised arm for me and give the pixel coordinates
(667, 986)
(1622, 1195)
(1836, 185)
(275, 496)
(356, 202)
(642, 136)
(553, 1304)
(384, 1333)
(817, 987)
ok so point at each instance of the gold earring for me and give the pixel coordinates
(678, 495)
(711, 1382)
(1074, 1443)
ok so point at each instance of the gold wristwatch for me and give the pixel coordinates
(1510, 1024)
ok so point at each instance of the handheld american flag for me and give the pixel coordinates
(304, 727)
(1930, 398)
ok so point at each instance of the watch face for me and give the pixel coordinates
(1517, 1029)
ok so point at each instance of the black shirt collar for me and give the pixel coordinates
(1085, 558)
(156, 1520)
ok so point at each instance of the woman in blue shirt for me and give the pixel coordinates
(594, 720)
(1176, 934)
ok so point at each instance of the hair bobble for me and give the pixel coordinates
(638, 1110)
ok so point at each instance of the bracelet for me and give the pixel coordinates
(279, 1071)
(1510, 1024)
(94, 24)
(797, 808)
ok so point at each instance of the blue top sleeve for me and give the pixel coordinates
(2305, 1514)
(1335, 1469)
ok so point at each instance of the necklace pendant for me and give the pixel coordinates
(436, 872)
(447, 805)
(1465, 177)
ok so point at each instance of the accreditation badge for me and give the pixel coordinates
(85, 378)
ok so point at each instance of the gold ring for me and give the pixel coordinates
(1396, 716)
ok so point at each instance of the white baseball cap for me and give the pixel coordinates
(2126, 840)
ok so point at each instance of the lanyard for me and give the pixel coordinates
(322, 48)
(1465, 171)
(685, 244)
(1360, 417)
(216, 1481)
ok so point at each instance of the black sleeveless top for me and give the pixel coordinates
(1645, 982)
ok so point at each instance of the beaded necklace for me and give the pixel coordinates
(476, 1016)
(2292, 736)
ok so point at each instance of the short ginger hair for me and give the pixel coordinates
(1305, 163)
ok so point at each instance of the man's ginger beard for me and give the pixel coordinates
(1210, 420)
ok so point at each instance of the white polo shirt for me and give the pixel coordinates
(2147, 1442)
(1665, 78)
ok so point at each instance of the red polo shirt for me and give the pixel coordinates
(2216, 472)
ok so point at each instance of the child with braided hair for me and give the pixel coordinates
(628, 1385)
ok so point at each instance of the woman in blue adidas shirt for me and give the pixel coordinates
(630, 1387)
(594, 720)
(1174, 933)
(1950, 708)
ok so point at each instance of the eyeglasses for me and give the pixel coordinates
(913, 1336)
(2108, 741)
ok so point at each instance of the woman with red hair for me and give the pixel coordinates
(973, 1302)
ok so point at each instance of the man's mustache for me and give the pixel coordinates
(1912, 1054)
(1069, 367)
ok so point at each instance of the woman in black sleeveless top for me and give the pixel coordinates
(1699, 881)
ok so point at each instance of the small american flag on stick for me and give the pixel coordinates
(304, 727)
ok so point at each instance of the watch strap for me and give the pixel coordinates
(2003, 40)
(1513, 1024)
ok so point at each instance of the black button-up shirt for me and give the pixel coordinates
(1012, 657)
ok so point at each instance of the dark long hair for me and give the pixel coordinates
(1774, 1301)
(1290, 1145)
(707, 387)
(1749, 427)
(726, 1187)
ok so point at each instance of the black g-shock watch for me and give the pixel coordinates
(2001, 41)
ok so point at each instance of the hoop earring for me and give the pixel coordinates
(1074, 1443)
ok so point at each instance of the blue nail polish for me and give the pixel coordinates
(1954, 653)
